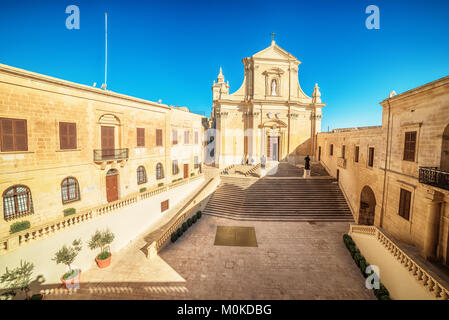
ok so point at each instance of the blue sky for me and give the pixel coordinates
(172, 50)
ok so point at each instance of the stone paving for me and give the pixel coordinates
(293, 260)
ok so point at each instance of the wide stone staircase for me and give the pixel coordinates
(279, 199)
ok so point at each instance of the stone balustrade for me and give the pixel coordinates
(229, 169)
(434, 287)
(22, 238)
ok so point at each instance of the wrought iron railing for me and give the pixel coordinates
(110, 154)
(434, 177)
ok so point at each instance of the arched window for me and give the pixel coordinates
(273, 87)
(159, 171)
(141, 175)
(17, 202)
(70, 190)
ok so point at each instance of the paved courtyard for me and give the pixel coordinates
(293, 260)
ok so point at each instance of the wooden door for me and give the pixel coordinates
(186, 170)
(319, 153)
(107, 142)
(112, 187)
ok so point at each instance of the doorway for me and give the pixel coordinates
(319, 153)
(273, 148)
(186, 170)
(112, 185)
(367, 206)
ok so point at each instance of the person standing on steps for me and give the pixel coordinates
(307, 165)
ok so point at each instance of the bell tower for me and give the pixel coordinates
(220, 88)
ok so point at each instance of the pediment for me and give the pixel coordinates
(273, 71)
(273, 124)
(274, 52)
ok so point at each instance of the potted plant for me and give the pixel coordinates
(18, 278)
(66, 255)
(102, 239)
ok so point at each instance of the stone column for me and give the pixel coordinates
(434, 199)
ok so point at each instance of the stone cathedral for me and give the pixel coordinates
(269, 116)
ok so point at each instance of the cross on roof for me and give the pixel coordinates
(272, 36)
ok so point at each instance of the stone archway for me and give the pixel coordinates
(367, 206)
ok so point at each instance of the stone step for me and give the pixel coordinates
(279, 200)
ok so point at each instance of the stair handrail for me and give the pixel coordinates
(433, 286)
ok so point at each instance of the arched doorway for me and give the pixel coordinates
(112, 185)
(444, 164)
(367, 206)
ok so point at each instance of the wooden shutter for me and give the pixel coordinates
(159, 137)
(174, 137)
(371, 157)
(71, 135)
(141, 137)
(356, 154)
(7, 135)
(409, 146)
(404, 204)
(13, 135)
(107, 137)
(67, 135)
(164, 205)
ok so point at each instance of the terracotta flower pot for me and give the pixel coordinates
(103, 263)
(72, 282)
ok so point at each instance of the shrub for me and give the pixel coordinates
(382, 291)
(184, 226)
(160, 184)
(18, 278)
(198, 214)
(100, 239)
(19, 226)
(69, 211)
(178, 232)
(357, 258)
(189, 222)
(66, 255)
(174, 237)
(143, 189)
(37, 296)
(194, 218)
(363, 265)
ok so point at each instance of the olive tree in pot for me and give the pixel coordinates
(102, 239)
(66, 255)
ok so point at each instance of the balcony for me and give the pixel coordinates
(341, 162)
(101, 155)
(434, 177)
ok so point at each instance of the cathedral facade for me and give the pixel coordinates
(269, 117)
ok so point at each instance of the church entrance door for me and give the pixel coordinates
(273, 148)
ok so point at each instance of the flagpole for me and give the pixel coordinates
(106, 51)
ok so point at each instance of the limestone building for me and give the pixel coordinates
(64, 145)
(396, 176)
(268, 116)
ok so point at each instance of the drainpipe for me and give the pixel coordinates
(385, 166)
